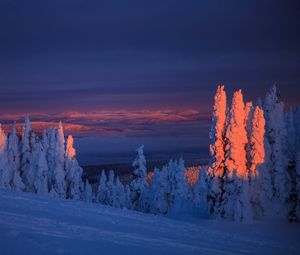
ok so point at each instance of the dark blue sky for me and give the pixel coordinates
(87, 55)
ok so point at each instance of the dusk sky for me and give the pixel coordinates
(86, 56)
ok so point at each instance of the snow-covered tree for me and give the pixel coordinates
(216, 166)
(14, 160)
(5, 170)
(111, 187)
(88, 192)
(157, 193)
(243, 209)
(200, 193)
(235, 157)
(180, 189)
(73, 172)
(276, 161)
(139, 184)
(298, 183)
(256, 157)
(25, 148)
(41, 174)
(101, 196)
(119, 194)
(29, 171)
(236, 137)
(50, 140)
(237, 206)
(291, 145)
(128, 196)
(249, 111)
(59, 184)
(257, 150)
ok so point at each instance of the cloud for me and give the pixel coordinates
(114, 121)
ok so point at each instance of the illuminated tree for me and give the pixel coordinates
(236, 138)
(73, 172)
(257, 134)
(235, 161)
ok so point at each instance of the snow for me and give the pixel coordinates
(40, 224)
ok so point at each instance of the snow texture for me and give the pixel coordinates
(40, 224)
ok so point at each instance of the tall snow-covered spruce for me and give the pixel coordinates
(276, 159)
(236, 138)
(216, 170)
(236, 163)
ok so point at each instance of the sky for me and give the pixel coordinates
(90, 56)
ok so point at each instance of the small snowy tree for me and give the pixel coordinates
(5, 170)
(102, 189)
(180, 188)
(119, 194)
(88, 193)
(139, 184)
(111, 188)
(200, 193)
(14, 160)
(41, 176)
(157, 193)
(128, 196)
(50, 140)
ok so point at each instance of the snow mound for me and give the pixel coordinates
(40, 224)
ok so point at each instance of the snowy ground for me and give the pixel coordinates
(32, 224)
